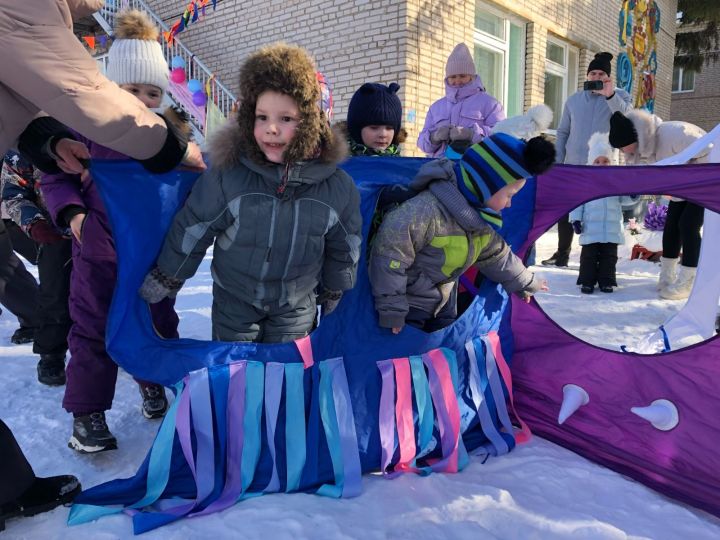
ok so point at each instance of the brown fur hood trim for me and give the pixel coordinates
(227, 147)
(179, 121)
(289, 70)
(398, 138)
(134, 24)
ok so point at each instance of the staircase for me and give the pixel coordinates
(194, 68)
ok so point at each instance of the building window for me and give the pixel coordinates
(499, 57)
(561, 75)
(683, 80)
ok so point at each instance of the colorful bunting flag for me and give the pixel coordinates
(194, 12)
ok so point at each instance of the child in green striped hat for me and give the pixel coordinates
(423, 247)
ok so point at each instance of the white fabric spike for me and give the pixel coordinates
(574, 397)
(661, 413)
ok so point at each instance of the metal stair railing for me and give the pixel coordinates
(194, 68)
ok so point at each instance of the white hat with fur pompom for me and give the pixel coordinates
(136, 56)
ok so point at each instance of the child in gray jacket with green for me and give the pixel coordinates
(425, 245)
(285, 220)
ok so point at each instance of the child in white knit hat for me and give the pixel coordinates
(600, 226)
(135, 60)
(137, 65)
(465, 115)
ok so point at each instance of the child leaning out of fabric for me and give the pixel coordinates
(425, 245)
(283, 217)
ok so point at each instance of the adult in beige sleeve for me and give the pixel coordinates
(47, 70)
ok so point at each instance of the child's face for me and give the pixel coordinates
(601, 160)
(276, 119)
(459, 80)
(377, 137)
(502, 198)
(150, 95)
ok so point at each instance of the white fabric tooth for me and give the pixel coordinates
(661, 413)
(574, 397)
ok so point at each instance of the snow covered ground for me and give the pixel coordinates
(540, 490)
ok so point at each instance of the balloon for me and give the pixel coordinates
(199, 98)
(177, 62)
(194, 86)
(177, 75)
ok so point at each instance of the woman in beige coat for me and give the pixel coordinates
(45, 68)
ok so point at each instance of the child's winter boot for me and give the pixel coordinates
(154, 403)
(91, 434)
(51, 369)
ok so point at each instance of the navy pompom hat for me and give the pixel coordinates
(374, 104)
(488, 166)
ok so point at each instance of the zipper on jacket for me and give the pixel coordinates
(295, 212)
(266, 263)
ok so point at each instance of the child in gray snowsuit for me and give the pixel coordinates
(283, 217)
(424, 246)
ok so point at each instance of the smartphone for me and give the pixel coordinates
(593, 85)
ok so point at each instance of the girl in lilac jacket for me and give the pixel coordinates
(465, 115)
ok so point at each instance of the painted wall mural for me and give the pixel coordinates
(639, 24)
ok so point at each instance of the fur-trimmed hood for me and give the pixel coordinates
(658, 140)
(226, 150)
(289, 70)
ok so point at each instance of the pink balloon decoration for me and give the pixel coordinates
(199, 98)
(177, 75)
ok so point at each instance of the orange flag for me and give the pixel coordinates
(90, 40)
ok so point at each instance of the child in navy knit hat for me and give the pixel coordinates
(373, 121)
(423, 247)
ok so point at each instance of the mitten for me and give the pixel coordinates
(459, 133)
(158, 286)
(44, 233)
(329, 300)
(577, 226)
(440, 135)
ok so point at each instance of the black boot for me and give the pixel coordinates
(43, 495)
(91, 434)
(154, 404)
(24, 334)
(557, 259)
(51, 369)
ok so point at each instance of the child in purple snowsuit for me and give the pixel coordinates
(75, 202)
(465, 115)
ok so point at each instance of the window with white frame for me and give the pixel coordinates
(683, 80)
(561, 75)
(499, 56)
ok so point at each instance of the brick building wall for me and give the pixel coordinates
(407, 41)
(701, 106)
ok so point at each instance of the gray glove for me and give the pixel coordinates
(158, 286)
(440, 135)
(459, 133)
(329, 300)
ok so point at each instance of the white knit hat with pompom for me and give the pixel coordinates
(136, 57)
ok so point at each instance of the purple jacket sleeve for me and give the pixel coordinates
(423, 141)
(492, 113)
(62, 190)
